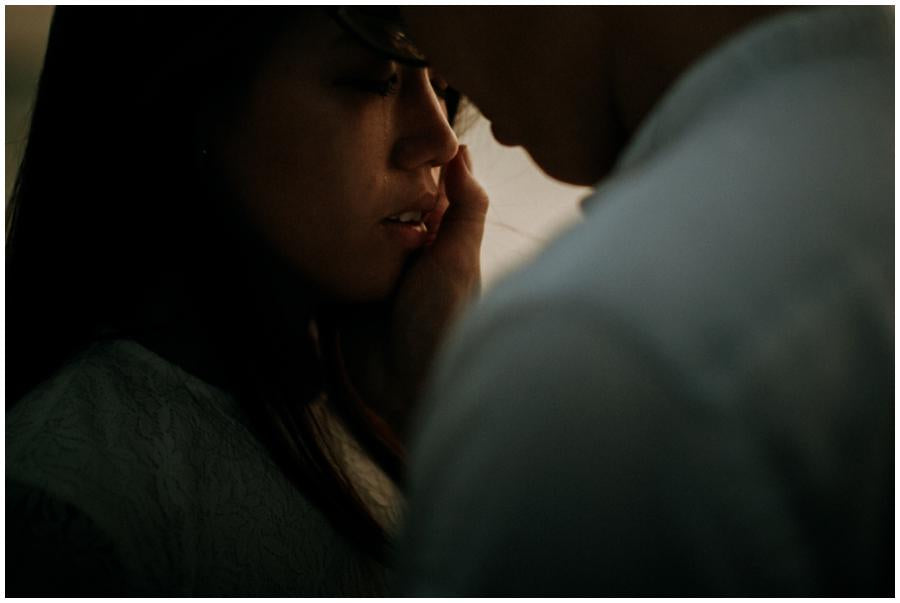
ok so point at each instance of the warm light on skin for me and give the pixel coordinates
(321, 156)
(516, 64)
(570, 84)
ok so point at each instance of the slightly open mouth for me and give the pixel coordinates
(409, 219)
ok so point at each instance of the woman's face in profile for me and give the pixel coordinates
(336, 158)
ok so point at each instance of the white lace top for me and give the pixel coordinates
(151, 479)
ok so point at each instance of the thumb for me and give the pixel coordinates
(463, 222)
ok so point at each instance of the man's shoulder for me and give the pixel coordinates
(740, 230)
(773, 197)
(764, 192)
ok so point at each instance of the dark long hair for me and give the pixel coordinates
(117, 227)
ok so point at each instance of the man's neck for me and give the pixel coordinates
(655, 45)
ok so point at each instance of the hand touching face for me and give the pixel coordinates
(391, 350)
(336, 157)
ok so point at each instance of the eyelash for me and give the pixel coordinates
(390, 86)
(385, 87)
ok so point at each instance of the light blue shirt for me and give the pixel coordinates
(691, 392)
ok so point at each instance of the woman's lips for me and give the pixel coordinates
(410, 235)
(417, 225)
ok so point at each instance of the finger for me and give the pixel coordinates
(434, 218)
(468, 201)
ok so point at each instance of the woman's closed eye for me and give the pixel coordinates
(390, 85)
(381, 86)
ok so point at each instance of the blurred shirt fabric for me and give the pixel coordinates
(692, 391)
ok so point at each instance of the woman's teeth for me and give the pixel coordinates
(411, 220)
(408, 216)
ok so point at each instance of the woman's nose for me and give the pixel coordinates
(427, 138)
